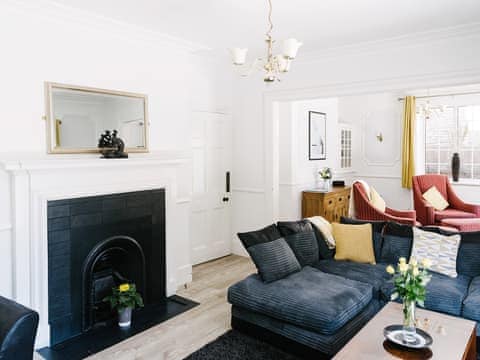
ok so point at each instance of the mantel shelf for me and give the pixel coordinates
(53, 162)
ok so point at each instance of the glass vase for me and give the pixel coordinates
(324, 185)
(409, 330)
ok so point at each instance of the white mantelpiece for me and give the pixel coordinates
(34, 181)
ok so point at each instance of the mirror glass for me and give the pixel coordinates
(78, 116)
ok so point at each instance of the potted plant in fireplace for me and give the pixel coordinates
(124, 299)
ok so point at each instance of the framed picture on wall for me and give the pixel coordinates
(317, 135)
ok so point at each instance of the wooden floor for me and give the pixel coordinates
(184, 334)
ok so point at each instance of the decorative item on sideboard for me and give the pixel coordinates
(111, 146)
(455, 166)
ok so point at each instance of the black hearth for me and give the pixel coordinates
(95, 243)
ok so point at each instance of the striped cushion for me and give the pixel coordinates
(469, 254)
(304, 246)
(397, 243)
(310, 299)
(274, 260)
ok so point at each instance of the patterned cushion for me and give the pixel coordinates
(471, 304)
(442, 250)
(274, 260)
(266, 234)
(310, 299)
(452, 213)
(377, 232)
(397, 242)
(444, 293)
(304, 246)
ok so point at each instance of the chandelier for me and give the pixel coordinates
(273, 65)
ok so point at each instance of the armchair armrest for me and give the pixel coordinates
(457, 203)
(411, 214)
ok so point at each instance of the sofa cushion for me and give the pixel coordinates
(471, 304)
(310, 299)
(377, 232)
(274, 259)
(266, 234)
(291, 227)
(397, 242)
(444, 293)
(435, 198)
(440, 249)
(374, 275)
(468, 262)
(354, 243)
(452, 213)
(304, 246)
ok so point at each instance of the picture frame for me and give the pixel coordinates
(317, 135)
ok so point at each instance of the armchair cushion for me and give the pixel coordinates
(435, 199)
(376, 200)
(452, 214)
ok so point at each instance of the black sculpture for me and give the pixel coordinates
(111, 146)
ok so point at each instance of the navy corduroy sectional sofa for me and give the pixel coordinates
(319, 308)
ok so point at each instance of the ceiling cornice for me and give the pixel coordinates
(408, 40)
(68, 16)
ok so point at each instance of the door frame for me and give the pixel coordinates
(271, 100)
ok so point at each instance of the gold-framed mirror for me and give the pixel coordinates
(77, 115)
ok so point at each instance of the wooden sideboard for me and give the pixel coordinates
(331, 205)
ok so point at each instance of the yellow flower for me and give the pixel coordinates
(426, 263)
(403, 267)
(415, 271)
(390, 269)
(124, 287)
(402, 260)
(413, 261)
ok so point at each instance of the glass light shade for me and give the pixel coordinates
(290, 48)
(239, 55)
(283, 63)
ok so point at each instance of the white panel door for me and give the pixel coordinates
(210, 217)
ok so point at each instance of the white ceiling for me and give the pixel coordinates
(320, 24)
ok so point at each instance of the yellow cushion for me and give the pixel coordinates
(435, 199)
(377, 201)
(354, 242)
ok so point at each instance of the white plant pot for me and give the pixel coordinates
(125, 317)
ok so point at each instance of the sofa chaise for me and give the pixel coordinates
(316, 310)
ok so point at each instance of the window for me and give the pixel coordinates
(345, 147)
(453, 129)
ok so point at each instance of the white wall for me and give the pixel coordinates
(42, 42)
(436, 59)
(298, 173)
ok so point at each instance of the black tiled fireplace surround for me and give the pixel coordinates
(75, 228)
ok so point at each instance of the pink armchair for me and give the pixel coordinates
(365, 211)
(426, 214)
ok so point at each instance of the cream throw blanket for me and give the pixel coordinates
(351, 205)
(325, 229)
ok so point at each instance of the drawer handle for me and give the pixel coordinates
(330, 202)
(339, 199)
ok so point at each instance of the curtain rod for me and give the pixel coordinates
(443, 95)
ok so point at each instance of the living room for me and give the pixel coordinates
(214, 141)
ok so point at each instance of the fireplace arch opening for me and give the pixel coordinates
(113, 261)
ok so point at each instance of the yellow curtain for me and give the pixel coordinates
(408, 157)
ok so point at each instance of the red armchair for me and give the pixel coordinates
(426, 214)
(365, 211)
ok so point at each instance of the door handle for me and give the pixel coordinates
(227, 182)
(225, 199)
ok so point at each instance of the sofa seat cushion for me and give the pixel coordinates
(452, 214)
(310, 299)
(471, 304)
(374, 275)
(444, 293)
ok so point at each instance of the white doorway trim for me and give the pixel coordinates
(270, 114)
